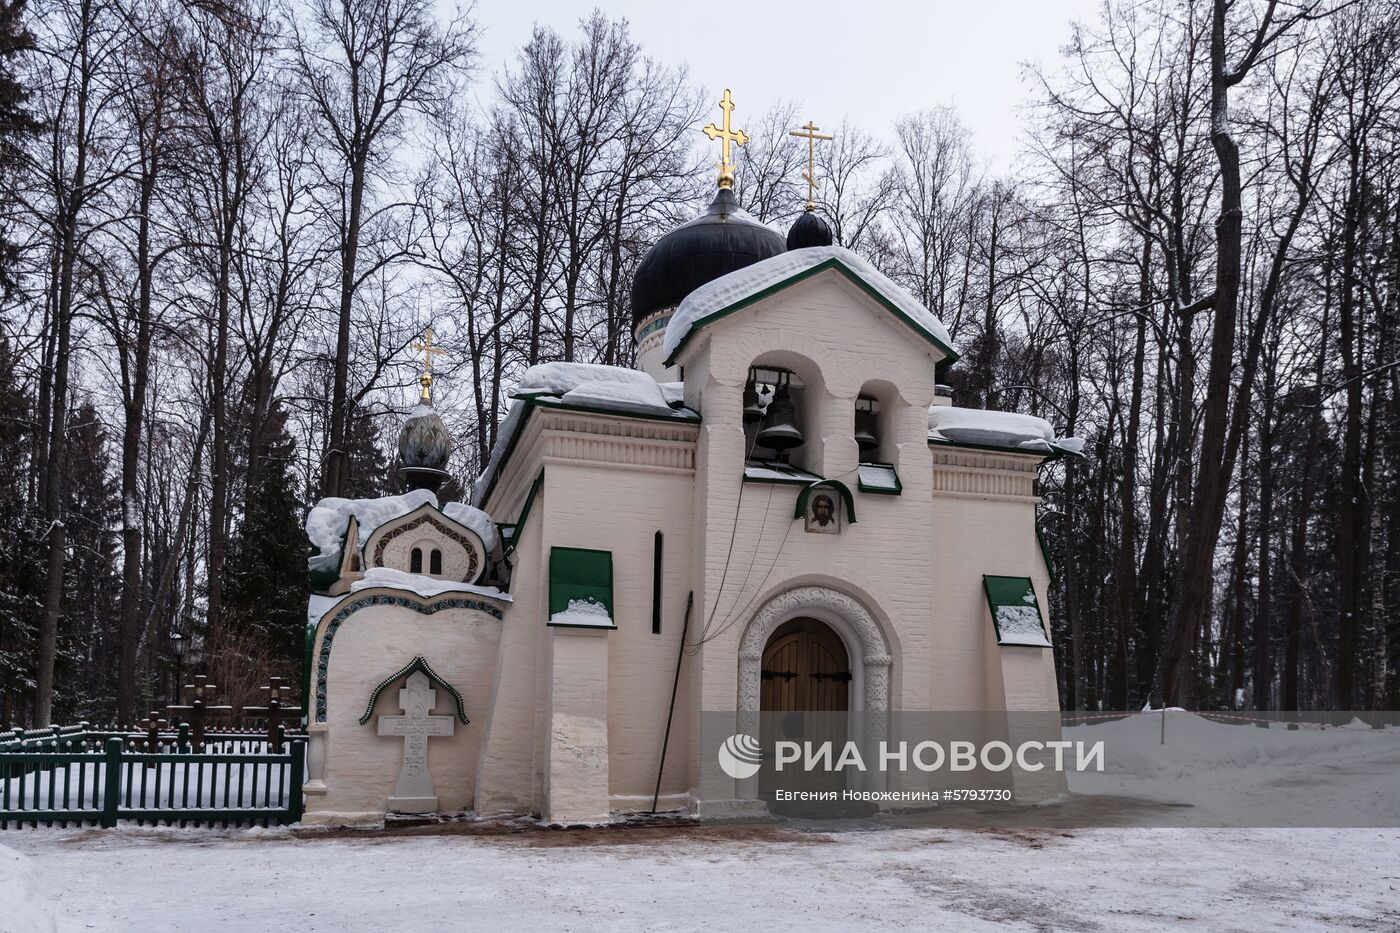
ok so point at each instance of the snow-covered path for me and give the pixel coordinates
(711, 878)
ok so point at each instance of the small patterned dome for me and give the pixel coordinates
(424, 448)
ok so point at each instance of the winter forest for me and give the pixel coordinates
(223, 225)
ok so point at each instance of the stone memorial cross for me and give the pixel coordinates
(413, 793)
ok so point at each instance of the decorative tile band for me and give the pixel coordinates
(422, 607)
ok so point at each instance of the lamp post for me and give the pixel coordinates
(177, 648)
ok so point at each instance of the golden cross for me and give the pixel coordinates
(425, 346)
(811, 174)
(726, 136)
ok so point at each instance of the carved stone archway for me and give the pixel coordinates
(870, 652)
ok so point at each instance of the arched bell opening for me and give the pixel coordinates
(781, 398)
(874, 425)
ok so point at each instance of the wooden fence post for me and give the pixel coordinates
(112, 782)
(298, 775)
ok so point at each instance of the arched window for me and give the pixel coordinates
(435, 562)
(415, 561)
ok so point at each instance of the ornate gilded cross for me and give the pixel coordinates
(425, 346)
(811, 135)
(726, 136)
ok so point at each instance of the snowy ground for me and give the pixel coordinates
(702, 877)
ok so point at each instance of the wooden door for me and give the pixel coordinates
(805, 669)
(804, 696)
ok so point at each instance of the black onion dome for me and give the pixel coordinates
(722, 240)
(424, 448)
(809, 230)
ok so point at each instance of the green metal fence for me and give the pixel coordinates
(81, 776)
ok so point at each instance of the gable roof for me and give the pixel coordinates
(738, 290)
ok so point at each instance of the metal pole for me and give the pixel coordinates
(670, 714)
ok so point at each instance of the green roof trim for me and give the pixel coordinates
(417, 664)
(518, 527)
(950, 355)
(1054, 453)
(801, 507)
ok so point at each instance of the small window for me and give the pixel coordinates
(415, 561)
(435, 563)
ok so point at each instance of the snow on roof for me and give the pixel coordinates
(327, 522)
(594, 385)
(585, 385)
(728, 290)
(475, 519)
(422, 584)
(504, 435)
(954, 425)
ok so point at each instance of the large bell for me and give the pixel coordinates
(866, 439)
(779, 431)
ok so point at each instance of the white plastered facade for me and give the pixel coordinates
(569, 724)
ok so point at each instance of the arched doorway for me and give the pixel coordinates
(806, 669)
(804, 697)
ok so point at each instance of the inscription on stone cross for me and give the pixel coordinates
(413, 792)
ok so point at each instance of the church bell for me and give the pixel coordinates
(780, 431)
(866, 438)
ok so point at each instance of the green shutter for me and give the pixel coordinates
(576, 573)
(1015, 611)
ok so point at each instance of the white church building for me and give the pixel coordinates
(780, 510)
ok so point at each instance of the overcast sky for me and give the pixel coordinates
(871, 60)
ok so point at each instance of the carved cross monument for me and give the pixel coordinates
(413, 793)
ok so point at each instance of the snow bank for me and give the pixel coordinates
(736, 286)
(594, 385)
(584, 613)
(673, 392)
(23, 908)
(421, 584)
(327, 522)
(878, 476)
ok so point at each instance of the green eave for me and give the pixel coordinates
(1054, 453)
(417, 664)
(950, 355)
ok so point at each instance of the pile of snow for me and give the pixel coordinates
(422, 584)
(327, 522)
(587, 613)
(592, 385)
(1021, 625)
(726, 290)
(22, 905)
(673, 392)
(1235, 772)
(996, 429)
(475, 519)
